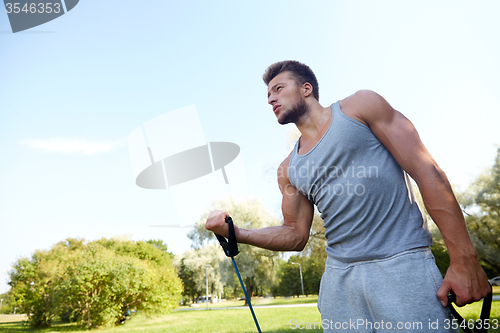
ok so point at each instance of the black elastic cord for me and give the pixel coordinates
(230, 248)
(485, 314)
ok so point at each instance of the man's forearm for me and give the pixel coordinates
(445, 211)
(465, 276)
(275, 238)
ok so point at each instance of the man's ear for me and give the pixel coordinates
(307, 89)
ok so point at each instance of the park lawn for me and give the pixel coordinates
(224, 321)
(219, 321)
(260, 301)
(276, 301)
(473, 311)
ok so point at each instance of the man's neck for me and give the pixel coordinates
(314, 122)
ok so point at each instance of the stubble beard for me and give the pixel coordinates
(295, 114)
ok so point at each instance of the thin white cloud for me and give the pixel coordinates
(66, 146)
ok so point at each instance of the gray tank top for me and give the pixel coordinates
(363, 195)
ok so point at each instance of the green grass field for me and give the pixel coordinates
(260, 301)
(219, 321)
(224, 321)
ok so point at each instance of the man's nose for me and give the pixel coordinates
(271, 99)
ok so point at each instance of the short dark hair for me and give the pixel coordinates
(300, 72)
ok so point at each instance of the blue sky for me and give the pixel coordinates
(81, 83)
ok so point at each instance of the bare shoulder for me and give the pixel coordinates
(366, 106)
(364, 99)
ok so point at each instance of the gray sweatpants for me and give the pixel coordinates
(395, 294)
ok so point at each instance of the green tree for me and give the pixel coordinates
(289, 275)
(160, 245)
(208, 259)
(35, 284)
(481, 205)
(312, 260)
(289, 278)
(150, 251)
(188, 279)
(7, 305)
(94, 283)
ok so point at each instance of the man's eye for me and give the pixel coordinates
(278, 88)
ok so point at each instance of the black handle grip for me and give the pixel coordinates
(230, 246)
(485, 313)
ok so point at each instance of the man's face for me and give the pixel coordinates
(284, 95)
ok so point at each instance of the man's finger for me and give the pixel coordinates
(443, 292)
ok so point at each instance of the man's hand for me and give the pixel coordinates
(216, 222)
(467, 280)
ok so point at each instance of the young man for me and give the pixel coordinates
(352, 161)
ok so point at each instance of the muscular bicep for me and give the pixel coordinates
(297, 210)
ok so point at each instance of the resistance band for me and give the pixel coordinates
(230, 248)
